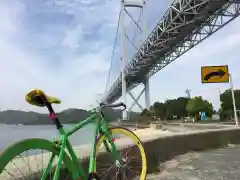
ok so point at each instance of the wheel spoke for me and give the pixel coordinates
(108, 170)
(18, 169)
(9, 173)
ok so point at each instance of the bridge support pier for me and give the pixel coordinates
(140, 4)
(147, 93)
(124, 62)
(147, 97)
(135, 100)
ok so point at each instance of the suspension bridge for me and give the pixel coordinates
(184, 25)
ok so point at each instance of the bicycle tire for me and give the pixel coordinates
(132, 136)
(16, 149)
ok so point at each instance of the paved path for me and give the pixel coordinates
(220, 164)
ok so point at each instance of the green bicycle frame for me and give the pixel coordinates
(101, 127)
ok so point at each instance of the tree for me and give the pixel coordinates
(197, 104)
(145, 112)
(158, 109)
(172, 107)
(145, 117)
(176, 107)
(226, 110)
(180, 106)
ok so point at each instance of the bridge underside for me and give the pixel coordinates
(185, 24)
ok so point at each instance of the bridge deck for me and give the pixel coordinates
(184, 25)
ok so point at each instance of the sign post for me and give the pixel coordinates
(233, 99)
(219, 74)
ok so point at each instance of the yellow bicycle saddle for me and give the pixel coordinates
(37, 97)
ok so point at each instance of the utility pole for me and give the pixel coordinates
(188, 92)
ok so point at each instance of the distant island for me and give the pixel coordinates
(68, 116)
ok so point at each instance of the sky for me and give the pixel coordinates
(64, 47)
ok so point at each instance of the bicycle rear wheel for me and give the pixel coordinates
(131, 151)
(19, 162)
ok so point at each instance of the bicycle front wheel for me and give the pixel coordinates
(29, 159)
(131, 151)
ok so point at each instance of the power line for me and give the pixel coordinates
(113, 52)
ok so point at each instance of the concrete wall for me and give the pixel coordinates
(165, 148)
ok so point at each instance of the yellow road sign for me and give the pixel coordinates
(215, 74)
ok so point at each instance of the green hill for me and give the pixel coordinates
(66, 117)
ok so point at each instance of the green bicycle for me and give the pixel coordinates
(64, 162)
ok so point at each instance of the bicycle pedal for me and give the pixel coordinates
(93, 176)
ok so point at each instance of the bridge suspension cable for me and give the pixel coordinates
(113, 52)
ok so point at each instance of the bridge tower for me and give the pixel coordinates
(141, 24)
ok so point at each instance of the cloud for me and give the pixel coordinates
(76, 77)
(71, 39)
(9, 18)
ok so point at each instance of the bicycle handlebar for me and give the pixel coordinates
(102, 104)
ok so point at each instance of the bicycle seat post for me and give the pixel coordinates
(53, 116)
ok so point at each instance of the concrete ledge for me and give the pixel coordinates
(201, 125)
